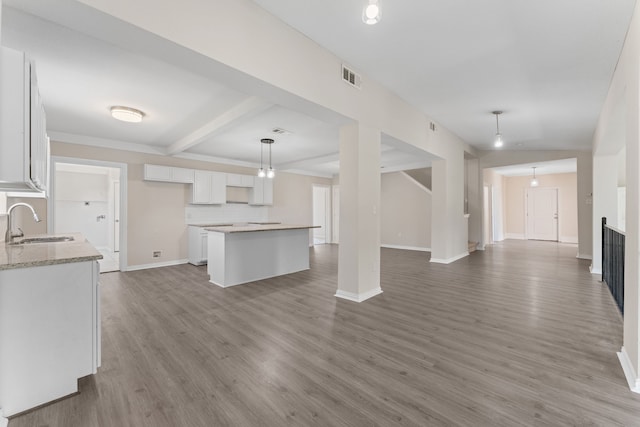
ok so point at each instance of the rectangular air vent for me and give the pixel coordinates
(280, 131)
(351, 77)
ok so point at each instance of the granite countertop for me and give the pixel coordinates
(257, 227)
(38, 254)
(228, 224)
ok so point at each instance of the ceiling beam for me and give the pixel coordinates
(244, 109)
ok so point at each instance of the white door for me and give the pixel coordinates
(336, 213)
(321, 215)
(116, 216)
(542, 214)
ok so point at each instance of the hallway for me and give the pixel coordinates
(518, 335)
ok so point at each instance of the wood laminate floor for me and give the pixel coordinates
(518, 335)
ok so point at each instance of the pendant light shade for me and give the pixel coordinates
(497, 142)
(262, 172)
(534, 181)
(371, 12)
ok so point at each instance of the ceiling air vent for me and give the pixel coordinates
(351, 77)
(280, 131)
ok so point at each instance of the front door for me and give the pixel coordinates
(542, 213)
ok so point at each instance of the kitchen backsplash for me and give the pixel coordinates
(230, 212)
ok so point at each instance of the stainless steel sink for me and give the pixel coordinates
(48, 239)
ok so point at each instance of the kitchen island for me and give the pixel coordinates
(245, 253)
(49, 319)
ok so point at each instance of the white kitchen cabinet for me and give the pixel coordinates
(262, 192)
(168, 174)
(209, 188)
(24, 145)
(197, 250)
(50, 332)
(238, 180)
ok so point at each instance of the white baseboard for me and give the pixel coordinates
(407, 248)
(449, 260)
(595, 270)
(156, 265)
(567, 239)
(516, 236)
(583, 256)
(629, 372)
(358, 297)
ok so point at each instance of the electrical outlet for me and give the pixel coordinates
(156, 254)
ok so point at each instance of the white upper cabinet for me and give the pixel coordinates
(262, 193)
(24, 145)
(209, 188)
(168, 174)
(238, 180)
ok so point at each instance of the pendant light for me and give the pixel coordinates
(371, 12)
(497, 142)
(269, 173)
(534, 181)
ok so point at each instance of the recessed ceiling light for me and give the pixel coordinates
(127, 114)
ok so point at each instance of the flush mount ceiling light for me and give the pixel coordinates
(269, 173)
(534, 181)
(371, 12)
(127, 114)
(497, 142)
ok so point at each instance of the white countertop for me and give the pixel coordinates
(37, 254)
(257, 227)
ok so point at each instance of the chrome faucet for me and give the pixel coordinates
(10, 235)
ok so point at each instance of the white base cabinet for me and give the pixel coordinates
(49, 332)
(197, 245)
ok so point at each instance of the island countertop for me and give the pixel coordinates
(47, 253)
(257, 227)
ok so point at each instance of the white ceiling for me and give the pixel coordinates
(547, 64)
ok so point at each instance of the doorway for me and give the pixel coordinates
(321, 214)
(89, 197)
(542, 214)
(487, 227)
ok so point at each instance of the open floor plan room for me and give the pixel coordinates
(519, 334)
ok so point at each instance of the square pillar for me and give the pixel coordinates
(359, 251)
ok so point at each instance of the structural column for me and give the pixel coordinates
(448, 225)
(359, 251)
(605, 202)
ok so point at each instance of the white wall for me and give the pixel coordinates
(405, 212)
(619, 126)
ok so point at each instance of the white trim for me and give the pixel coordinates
(358, 297)
(156, 265)
(566, 239)
(629, 372)
(594, 270)
(123, 197)
(4, 422)
(516, 236)
(584, 256)
(407, 248)
(449, 260)
(416, 182)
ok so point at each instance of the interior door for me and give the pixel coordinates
(116, 216)
(542, 214)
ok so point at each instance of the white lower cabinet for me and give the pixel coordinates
(209, 188)
(197, 245)
(50, 332)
